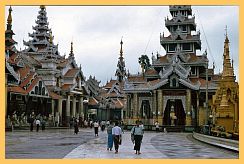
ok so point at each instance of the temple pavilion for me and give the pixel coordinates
(177, 89)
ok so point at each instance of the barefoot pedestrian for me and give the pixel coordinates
(137, 132)
(38, 123)
(110, 137)
(96, 125)
(117, 136)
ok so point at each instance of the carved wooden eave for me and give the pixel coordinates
(12, 72)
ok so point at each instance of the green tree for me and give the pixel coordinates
(144, 62)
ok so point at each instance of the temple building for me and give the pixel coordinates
(93, 111)
(225, 108)
(54, 86)
(177, 89)
(113, 99)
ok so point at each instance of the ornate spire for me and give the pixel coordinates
(121, 49)
(71, 49)
(228, 72)
(9, 41)
(9, 16)
(121, 72)
(42, 7)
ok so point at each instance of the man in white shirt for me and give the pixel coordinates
(117, 132)
(38, 123)
(96, 125)
(157, 126)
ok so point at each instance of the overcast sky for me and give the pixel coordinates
(97, 30)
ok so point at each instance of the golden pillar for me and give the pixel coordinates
(155, 105)
(197, 112)
(135, 101)
(188, 108)
(160, 106)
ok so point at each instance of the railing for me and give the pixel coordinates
(217, 141)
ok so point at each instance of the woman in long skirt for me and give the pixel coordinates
(137, 132)
(110, 137)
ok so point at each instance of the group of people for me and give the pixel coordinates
(115, 136)
(39, 122)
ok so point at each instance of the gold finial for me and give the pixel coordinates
(42, 7)
(51, 37)
(226, 35)
(225, 30)
(9, 15)
(71, 51)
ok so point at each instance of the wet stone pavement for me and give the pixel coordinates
(62, 143)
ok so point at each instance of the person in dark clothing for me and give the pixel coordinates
(137, 132)
(43, 123)
(76, 127)
(31, 121)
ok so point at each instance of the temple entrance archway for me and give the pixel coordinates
(174, 113)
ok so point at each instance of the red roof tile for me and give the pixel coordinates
(202, 81)
(72, 72)
(33, 83)
(66, 86)
(110, 84)
(118, 104)
(23, 72)
(54, 95)
(151, 72)
(136, 78)
(27, 80)
(17, 89)
(163, 59)
(92, 101)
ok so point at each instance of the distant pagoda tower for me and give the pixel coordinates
(225, 108)
(121, 71)
(9, 42)
(228, 71)
(12, 58)
(42, 39)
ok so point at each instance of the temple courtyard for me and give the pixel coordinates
(62, 143)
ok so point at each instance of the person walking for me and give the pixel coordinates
(38, 123)
(31, 122)
(117, 136)
(103, 126)
(137, 132)
(110, 137)
(76, 127)
(157, 126)
(43, 123)
(122, 126)
(96, 125)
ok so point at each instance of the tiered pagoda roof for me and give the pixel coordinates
(180, 58)
(42, 38)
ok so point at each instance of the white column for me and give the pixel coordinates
(74, 107)
(53, 103)
(68, 109)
